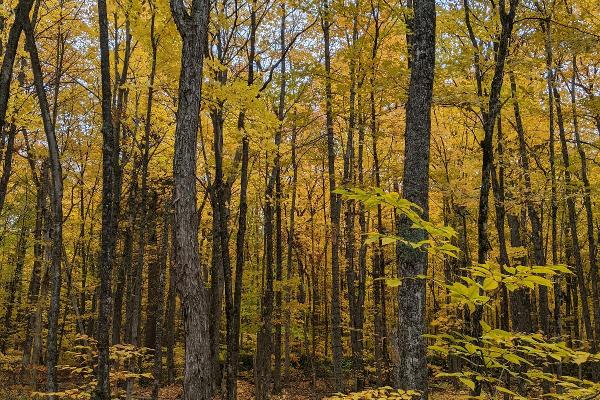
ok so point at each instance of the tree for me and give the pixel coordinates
(192, 25)
(415, 187)
(110, 154)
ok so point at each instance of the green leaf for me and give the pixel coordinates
(490, 284)
(539, 280)
(468, 383)
(393, 282)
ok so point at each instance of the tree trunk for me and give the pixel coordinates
(33, 291)
(7, 161)
(587, 202)
(193, 27)
(14, 285)
(572, 213)
(21, 11)
(334, 205)
(289, 259)
(264, 344)
(56, 196)
(278, 212)
(162, 267)
(169, 329)
(110, 151)
(497, 175)
(415, 188)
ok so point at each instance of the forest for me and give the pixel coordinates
(299, 199)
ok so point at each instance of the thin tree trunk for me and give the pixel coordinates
(7, 162)
(572, 213)
(56, 205)
(33, 291)
(587, 202)
(278, 213)
(378, 255)
(124, 267)
(110, 150)
(14, 285)
(334, 204)
(289, 259)
(162, 267)
(497, 175)
(521, 310)
(169, 329)
(349, 215)
(264, 344)
(362, 261)
(154, 269)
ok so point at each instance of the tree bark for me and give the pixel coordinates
(158, 329)
(56, 196)
(14, 285)
(572, 213)
(35, 283)
(415, 188)
(587, 202)
(334, 205)
(192, 27)
(21, 11)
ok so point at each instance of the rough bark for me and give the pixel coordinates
(109, 214)
(192, 26)
(415, 188)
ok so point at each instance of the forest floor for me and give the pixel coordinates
(297, 391)
(13, 387)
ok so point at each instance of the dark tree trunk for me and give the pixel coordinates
(56, 196)
(264, 344)
(521, 309)
(153, 300)
(7, 161)
(488, 117)
(14, 285)
(110, 149)
(278, 214)
(334, 205)
(587, 202)
(33, 291)
(497, 175)
(158, 328)
(154, 269)
(21, 11)
(349, 216)
(169, 328)
(552, 159)
(289, 259)
(233, 328)
(193, 27)
(415, 188)
(127, 256)
(361, 278)
(378, 267)
(124, 268)
(572, 213)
